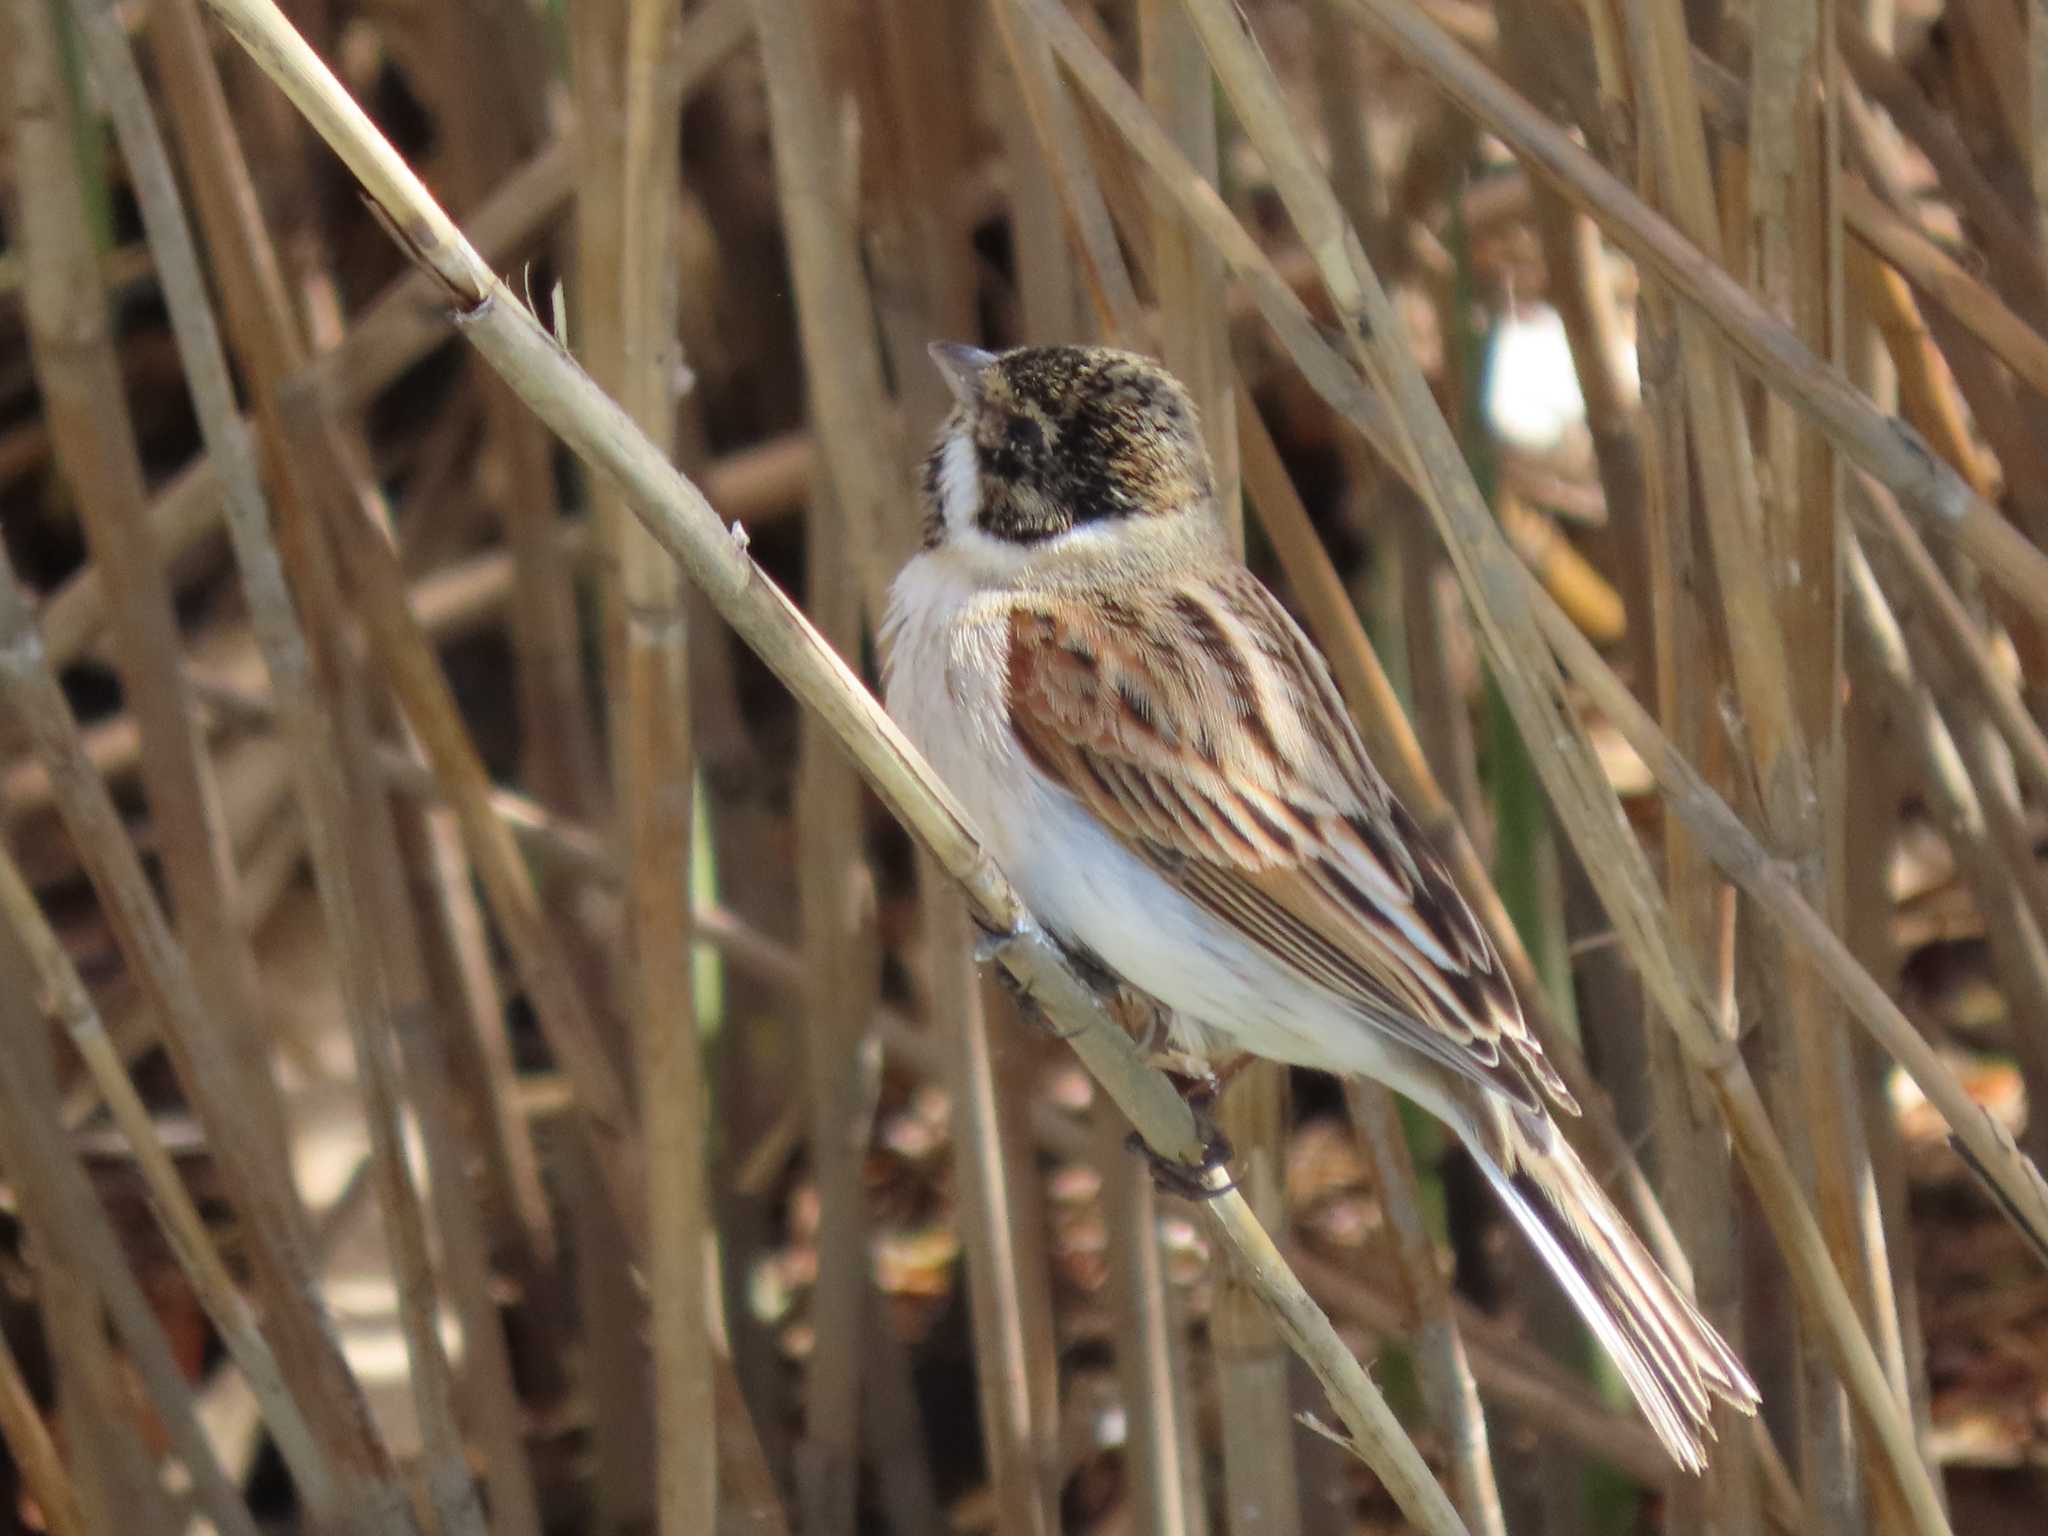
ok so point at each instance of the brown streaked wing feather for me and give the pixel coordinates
(1277, 824)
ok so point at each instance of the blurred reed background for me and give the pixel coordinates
(478, 1057)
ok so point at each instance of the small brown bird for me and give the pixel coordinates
(1157, 757)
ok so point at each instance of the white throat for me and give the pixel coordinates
(959, 485)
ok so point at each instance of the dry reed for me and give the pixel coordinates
(690, 1123)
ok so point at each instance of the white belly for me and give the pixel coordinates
(947, 649)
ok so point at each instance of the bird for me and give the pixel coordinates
(1158, 758)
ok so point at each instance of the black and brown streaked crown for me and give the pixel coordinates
(1068, 436)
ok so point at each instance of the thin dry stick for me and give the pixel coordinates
(1023, 1478)
(405, 849)
(1943, 625)
(457, 954)
(62, 993)
(118, 1477)
(843, 362)
(2019, 948)
(322, 796)
(67, 1219)
(513, 341)
(1515, 1378)
(500, 1418)
(94, 441)
(407, 1011)
(624, 1422)
(1928, 394)
(655, 778)
(1156, 1451)
(35, 1453)
(844, 369)
(260, 313)
(1446, 1372)
(1897, 365)
(2015, 261)
(1645, 473)
(395, 331)
(1691, 1145)
(1948, 283)
(409, 664)
(1794, 258)
(916, 145)
(1886, 448)
(1186, 277)
(1063, 150)
(307, 1352)
(1990, 771)
(482, 118)
(1049, 287)
(919, 147)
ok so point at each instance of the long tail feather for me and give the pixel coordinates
(1671, 1357)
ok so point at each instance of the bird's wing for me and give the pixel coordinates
(1203, 728)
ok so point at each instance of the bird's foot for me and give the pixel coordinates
(1028, 1007)
(989, 950)
(1200, 1091)
(1190, 1181)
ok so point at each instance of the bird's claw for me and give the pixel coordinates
(1190, 1181)
(989, 950)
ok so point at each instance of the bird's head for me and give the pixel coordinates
(1045, 444)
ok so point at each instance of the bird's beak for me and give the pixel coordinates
(961, 367)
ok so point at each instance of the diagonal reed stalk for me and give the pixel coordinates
(494, 320)
(35, 1453)
(62, 993)
(72, 1227)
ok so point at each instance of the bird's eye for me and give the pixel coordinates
(1024, 435)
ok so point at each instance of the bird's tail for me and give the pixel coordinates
(1670, 1356)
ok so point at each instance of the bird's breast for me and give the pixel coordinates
(945, 676)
